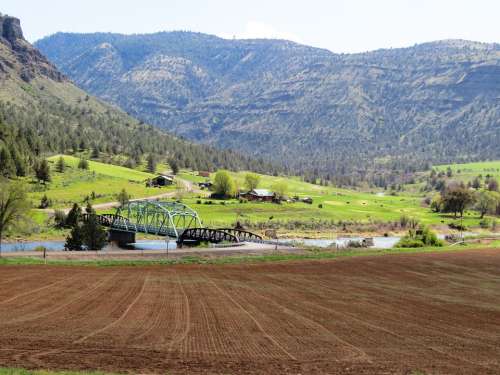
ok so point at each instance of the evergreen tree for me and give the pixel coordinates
(19, 162)
(174, 165)
(60, 165)
(83, 164)
(42, 171)
(94, 235)
(73, 216)
(95, 153)
(7, 166)
(75, 239)
(151, 167)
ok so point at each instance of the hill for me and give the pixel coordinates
(318, 112)
(43, 112)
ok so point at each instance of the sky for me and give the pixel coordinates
(342, 26)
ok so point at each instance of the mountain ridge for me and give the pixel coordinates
(309, 108)
(42, 112)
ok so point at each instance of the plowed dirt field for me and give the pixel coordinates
(438, 313)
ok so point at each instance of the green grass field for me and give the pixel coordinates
(347, 207)
(329, 204)
(105, 180)
(331, 207)
(470, 170)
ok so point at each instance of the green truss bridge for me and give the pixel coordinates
(168, 219)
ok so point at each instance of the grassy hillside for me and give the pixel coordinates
(468, 171)
(105, 180)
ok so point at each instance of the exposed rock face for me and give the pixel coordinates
(11, 28)
(17, 56)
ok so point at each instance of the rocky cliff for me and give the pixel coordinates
(18, 57)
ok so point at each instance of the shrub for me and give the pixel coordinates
(45, 202)
(352, 244)
(83, 164)
(60, 218)
(420, 237)
(485, 223)
(457, 226)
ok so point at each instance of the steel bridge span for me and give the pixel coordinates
(168, 219)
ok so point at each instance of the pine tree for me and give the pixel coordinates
(151, 163)
(19, 162)
(75, 239)
(95, 153)
(74, 216)
(42, 171)
(7, 166)
(60, 165)
(83, 164)
(94, 235)
(174, 165)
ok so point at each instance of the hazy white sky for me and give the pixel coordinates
(338, 25)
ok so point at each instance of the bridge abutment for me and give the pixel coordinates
(120, 237)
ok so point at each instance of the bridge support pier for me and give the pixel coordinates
(120, 237)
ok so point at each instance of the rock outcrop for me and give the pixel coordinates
(17, 56)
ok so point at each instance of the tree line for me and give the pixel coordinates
(27, 135)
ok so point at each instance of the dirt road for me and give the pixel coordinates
(438, 313)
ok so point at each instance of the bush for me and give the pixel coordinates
(40, 249)
(457, 226)
(353, 244)
(420, 237)
(485, 223)
(60, 218)
(45, 202)
(410, 243)
(408, 222)
(320, 205)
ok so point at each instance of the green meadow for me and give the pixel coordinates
(468, 171)
(331, 207)
(104, 180)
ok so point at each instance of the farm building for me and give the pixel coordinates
(204, 174)
(162, 180)
(262, 195)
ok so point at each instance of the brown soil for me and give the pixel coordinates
(398, 314)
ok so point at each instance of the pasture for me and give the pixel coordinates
(427, 313)
(105, 180)
(468, 171)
